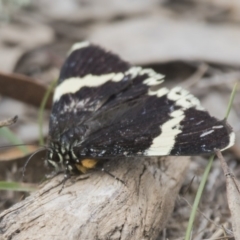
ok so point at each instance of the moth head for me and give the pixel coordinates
(61, 158)
(53, 159)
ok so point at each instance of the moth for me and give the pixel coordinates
(105, 108)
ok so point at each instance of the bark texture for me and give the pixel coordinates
(97, 206)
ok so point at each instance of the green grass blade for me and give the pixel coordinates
(41, 111)
(14, 186)
(231, 100)
(198, 198)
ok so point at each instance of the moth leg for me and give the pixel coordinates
(110, 174)
(67, 176)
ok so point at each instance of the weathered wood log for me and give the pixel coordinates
(97, 206)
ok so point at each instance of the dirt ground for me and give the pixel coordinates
(194, 43)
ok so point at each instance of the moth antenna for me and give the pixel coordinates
(28, 160)
(66, 177)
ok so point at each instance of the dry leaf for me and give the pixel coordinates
(25, 89)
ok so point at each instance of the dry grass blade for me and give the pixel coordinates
(233, 195)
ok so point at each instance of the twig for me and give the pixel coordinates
(8, 122)
(233, 195)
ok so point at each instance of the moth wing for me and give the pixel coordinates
(161, 122)
(108, 108)
(90, 79)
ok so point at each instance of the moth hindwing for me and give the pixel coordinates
(104, 108)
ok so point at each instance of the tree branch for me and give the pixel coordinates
(96, 206)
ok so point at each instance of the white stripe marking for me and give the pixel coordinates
(154, 78)
(180, 96)
(217, 127)
(72, 85)
(161, 92)
(198, 123)
(177, 93)
(77, 46)
(133, 71)
(163, 144)
(231, 141)
(206, 133)
(177, 113)
(152, 81)
(184, 99)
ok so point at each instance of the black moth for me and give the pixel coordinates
(105, 108)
